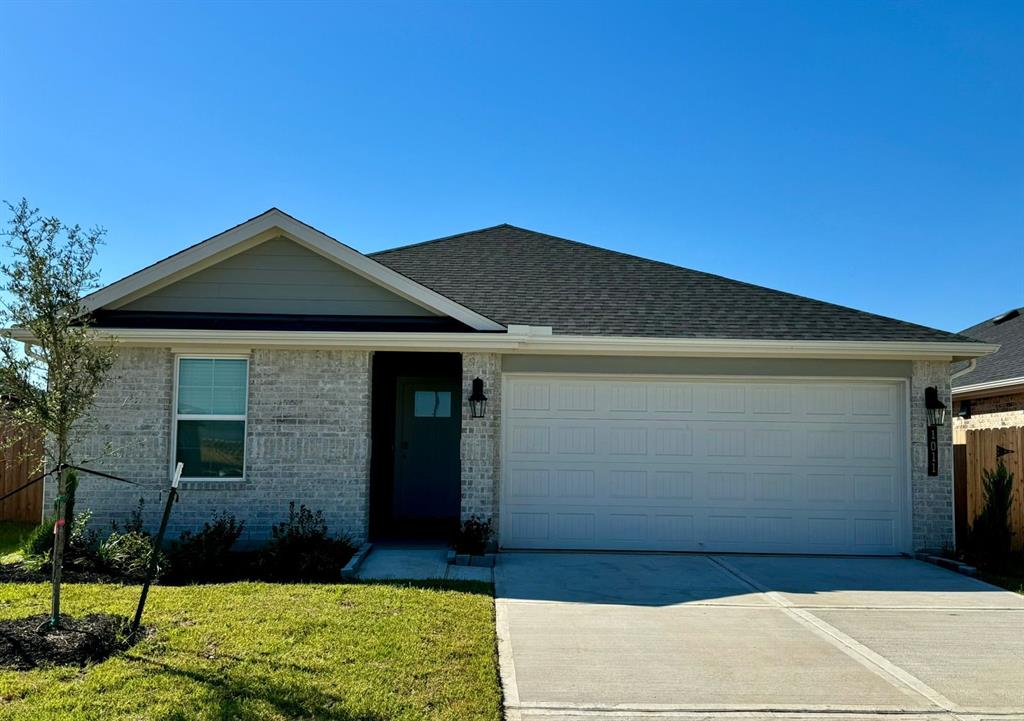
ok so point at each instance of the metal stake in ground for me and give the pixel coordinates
(157, 544)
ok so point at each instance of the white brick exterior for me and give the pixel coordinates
(931, 496)
(308, 439)
(481, 438)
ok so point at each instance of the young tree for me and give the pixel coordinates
(56, 370)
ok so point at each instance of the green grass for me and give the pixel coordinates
(11, 537)
(365, 652)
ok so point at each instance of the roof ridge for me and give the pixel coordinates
(952, 334)
(444, 237)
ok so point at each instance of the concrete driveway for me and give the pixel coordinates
(585, 636)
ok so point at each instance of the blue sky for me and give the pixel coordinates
(865, 153)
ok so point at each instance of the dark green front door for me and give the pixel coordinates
(427, 478)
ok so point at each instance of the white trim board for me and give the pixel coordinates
(1006, 385)
(526, 341)
(271, 224)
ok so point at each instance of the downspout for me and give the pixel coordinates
(31, 353)
(971, 365)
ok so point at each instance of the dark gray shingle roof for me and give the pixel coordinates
(1005, 363)
(514, 275)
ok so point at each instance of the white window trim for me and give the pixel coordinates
(175, 417)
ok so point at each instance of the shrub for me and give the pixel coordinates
(474, 536)
(990, 535)
(301, 550)
(135, 522)
(205, 556)
(127, 555)
(39, 541)
(82, 540)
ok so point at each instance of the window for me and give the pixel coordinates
(432, 404)
(209, 423)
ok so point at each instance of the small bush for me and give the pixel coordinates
(301, 550)
(474, 536)
(205, 556)
(127, 555)
(135, 522)
(82, 540)
(39, 541)
(990, 535)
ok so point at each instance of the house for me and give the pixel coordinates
(989, 392)
(583, 398)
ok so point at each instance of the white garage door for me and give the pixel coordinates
(696, 465)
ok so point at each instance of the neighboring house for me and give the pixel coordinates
(630, 404)
(991, 395)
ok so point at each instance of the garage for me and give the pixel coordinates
(704, 464)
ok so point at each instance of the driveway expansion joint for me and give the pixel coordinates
(897, 676)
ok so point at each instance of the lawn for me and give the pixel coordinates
(367, 652)
(11, 537)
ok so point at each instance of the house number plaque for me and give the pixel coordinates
(933, 450)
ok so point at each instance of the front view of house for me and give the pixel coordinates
(582, 398)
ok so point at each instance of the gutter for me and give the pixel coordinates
(540, 340)
(1006, 384)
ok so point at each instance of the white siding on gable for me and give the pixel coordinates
(278, 276)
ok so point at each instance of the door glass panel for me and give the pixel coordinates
(432, 404)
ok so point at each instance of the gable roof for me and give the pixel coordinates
(515, 275)
(1006, 364)
(261, 228)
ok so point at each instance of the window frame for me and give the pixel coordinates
(175, 417)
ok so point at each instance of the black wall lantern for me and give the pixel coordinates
(935, 408)
(936, 412)
(478, 401)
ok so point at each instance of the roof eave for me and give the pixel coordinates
(989, 388)
(523, 339)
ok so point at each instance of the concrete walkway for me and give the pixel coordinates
(629, 637)
(417, 563)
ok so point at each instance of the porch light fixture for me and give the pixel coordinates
(935, 408)
(477, 400)
(936, 413)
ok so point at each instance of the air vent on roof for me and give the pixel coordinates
(1008, 315)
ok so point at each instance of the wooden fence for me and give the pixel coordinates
(979, 453)
(19, 462)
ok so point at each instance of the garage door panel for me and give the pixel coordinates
(690, 465)
(758, 441)
(682, 400)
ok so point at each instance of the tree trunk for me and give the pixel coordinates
(57, 558)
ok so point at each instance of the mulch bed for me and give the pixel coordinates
(26, 643)
(23, 573)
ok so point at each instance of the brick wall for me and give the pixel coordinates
(1004, 411)
(481, 438)
(932, 496)
(307, 440)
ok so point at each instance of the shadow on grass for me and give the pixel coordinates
(292, 700)
(478, 588)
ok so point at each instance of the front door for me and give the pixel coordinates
(427, 478)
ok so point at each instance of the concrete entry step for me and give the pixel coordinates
(417, 563)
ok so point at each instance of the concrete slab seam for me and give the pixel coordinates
(853, 648)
